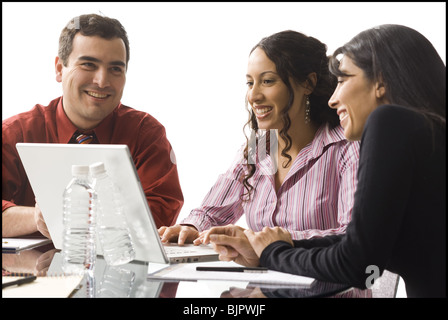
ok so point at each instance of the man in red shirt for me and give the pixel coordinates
(91, 65)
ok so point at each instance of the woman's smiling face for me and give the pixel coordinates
(355, 98)
(268, 95)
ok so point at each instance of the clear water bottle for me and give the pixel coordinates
(117, 282)
(113, 229)
(79, 221)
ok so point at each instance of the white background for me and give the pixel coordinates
(188, 62)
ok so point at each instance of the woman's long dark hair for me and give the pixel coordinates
(295, 56)
(405, 62)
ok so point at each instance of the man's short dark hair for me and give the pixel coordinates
(90, 25)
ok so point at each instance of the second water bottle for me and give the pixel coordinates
(113, 231)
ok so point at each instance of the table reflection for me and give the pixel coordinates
(130, 280)
(35, 261)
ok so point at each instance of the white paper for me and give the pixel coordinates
(187, 272)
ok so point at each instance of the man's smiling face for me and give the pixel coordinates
(93, 80)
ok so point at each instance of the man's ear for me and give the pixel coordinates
(58, 66)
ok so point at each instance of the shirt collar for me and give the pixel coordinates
(324, 137)
(105, 129)
(66, 129)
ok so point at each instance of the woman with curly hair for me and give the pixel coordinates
(296, 170)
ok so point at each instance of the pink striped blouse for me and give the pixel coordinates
(315, 199)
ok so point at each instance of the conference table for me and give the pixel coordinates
(131, 281)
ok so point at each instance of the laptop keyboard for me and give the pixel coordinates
(178, 250)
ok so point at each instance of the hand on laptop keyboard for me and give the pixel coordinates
(178, 233)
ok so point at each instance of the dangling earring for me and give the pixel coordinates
(307, 110)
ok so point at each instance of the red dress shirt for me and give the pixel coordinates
(143, 134)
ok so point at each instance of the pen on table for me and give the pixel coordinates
(233, 269)
(19, 282)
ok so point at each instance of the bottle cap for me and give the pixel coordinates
(97, 168)
(80, 170)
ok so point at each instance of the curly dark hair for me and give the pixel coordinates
(295, 56)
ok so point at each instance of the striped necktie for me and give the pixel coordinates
(84, 139)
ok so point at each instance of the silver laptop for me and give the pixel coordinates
(48, 167)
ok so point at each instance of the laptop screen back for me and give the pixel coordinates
(48, 167)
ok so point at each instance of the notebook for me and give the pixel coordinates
(42, 287)
(48, 167)
(14, 245)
